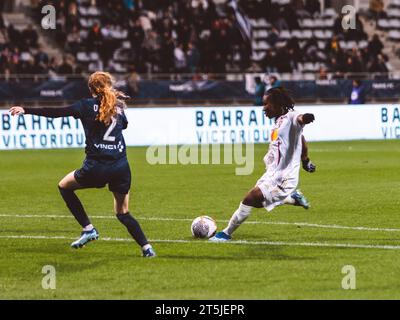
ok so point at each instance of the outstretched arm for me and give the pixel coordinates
(305, 118)
(71, 111)
(305, 160)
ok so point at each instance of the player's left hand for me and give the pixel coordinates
(308, 117)
(16, 110)
(308, 165)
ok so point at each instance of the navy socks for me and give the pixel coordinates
(133, 228)
(75, 206)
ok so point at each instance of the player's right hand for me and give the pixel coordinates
(16, 110)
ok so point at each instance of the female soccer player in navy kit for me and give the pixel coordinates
(103, 120)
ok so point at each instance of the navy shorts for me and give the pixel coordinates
(98, 173)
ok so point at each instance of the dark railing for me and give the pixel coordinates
(197, 89)
(232, 76)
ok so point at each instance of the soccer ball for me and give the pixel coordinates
(204, 227)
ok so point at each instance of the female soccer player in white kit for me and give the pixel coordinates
(278, 185)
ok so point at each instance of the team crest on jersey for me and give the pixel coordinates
(274, 135)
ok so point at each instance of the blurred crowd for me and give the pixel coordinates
(21, 53)
(165, 36)
(335, 59)
(187, 36)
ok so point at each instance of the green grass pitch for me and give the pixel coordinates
(290, 253)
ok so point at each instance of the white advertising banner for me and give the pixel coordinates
(203, 125)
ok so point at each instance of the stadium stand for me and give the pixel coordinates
(205, 36)
(190, 44)
(200, 36)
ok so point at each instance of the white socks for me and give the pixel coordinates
(240, 215)
(146, 246)
(89, 227)
(289, 200)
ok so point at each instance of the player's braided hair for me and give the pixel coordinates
(280, 97)
(101, 84)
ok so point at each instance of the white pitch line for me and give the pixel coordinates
(240, 242)
(299, 224)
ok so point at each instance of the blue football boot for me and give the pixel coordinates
(221, 237)
(86, 236)
(300, 199)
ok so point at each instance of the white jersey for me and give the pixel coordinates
(284, 154)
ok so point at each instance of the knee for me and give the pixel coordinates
(61, 189)
(64, 190)
(254, 198)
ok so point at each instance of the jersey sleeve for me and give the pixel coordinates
(74, 110)
(294, 119)
(124, 120)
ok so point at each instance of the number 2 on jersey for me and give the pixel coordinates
(107, 136)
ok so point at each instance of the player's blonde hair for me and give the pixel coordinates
(101, 84)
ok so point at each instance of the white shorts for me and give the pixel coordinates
(275, 192)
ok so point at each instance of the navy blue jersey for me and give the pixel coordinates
(103, 142)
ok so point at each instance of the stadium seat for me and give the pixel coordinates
(285, 34)
(93, 11)
(83, 57)
(330, 12)
(394, 35)
(94, 56)
(258, 56)
(383, 24)
(307, 23)
(394, 23)
(309, 76)
(329, 23)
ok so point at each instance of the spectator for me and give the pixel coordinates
(180, 59)
(74, 40)
(322, 74)
(375, 46)
(378, 65)
(65, 68)
(132, 82)
(129, 5)
(151, 49)
(376, 9)
(273, 82)
(193, 58)
(273, 37)
(357, 94)
(290, 17)
(313, 6)
(259, 91)
(30, 37)
(3, 26)
(42, 59)
(353, 65)
(95, 37)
